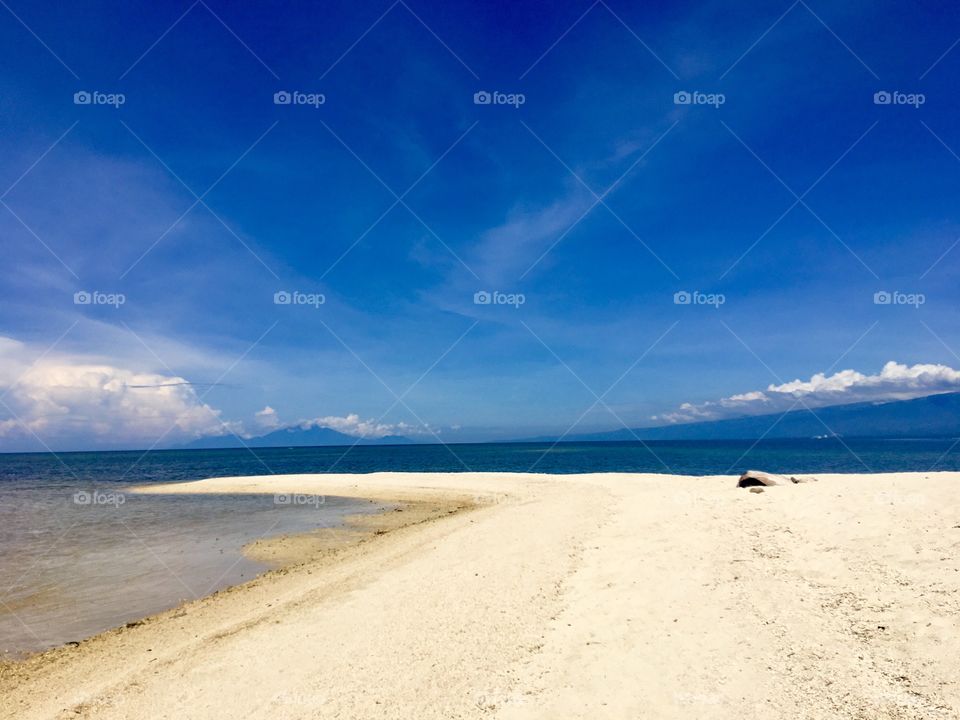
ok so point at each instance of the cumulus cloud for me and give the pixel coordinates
(894, 382)
(368, 429)
(267, 418)
(69, 401)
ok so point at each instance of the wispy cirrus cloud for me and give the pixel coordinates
(895, 381)
(508, 250)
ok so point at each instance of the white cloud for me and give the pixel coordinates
(77, 401)
(512, 247)
(894, 382)
(368, 429)
(70, 401)
(267, 418)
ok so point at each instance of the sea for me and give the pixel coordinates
(80, 554)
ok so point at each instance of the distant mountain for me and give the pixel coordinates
(932, 416)
(293, 437)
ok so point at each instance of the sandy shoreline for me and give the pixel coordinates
(607, 595)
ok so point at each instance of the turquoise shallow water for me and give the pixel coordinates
(79, 554)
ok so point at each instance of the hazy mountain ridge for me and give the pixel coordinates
(931, 416)
(294, 437)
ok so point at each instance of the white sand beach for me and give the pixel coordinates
(547, 596)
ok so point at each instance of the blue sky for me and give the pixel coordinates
(781, 200)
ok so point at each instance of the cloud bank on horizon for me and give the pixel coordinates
(894, 382)
(68, 401)
(352, 424)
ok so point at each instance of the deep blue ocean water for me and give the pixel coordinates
(79, 554)
(678, 457)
